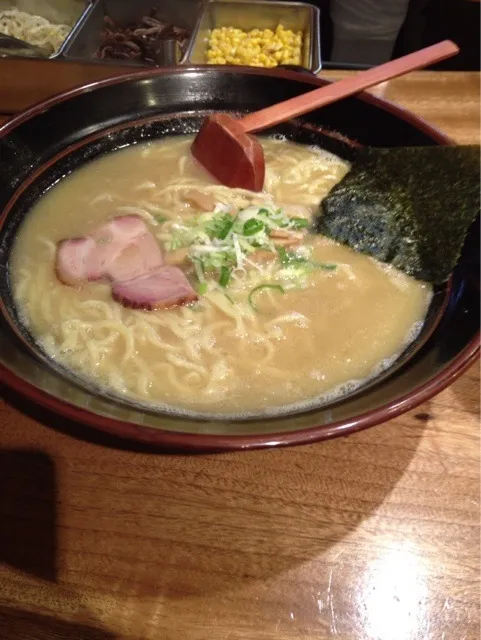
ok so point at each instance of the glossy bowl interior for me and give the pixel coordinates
(41, 146)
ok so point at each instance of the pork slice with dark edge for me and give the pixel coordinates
(160, 289)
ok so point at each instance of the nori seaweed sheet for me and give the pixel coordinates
(409, 207)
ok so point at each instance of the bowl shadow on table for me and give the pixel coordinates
(177, 526)
(16, 624)
(28, 495)
(28, 542)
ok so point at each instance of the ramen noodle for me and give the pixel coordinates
(285, 318)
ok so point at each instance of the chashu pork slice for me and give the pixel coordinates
(73, 258)
(160, 289)
(140, 257)
(111, 240)
(94, 257)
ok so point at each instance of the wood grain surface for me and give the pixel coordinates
(375, 536)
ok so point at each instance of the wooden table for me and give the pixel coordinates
(375, 536)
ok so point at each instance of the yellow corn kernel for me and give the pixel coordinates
(256, 47)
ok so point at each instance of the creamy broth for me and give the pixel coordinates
(334, 329)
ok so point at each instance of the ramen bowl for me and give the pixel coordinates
(51, 140)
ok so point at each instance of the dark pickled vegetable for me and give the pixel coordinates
(140, 41)
(408, 207)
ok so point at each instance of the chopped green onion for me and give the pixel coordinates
(227, 227)
(224, 276)
(219, 242)
(283, 256)
(231, 300)
(160, 218)
(252, 226)
(289, 258)
(299, 223)
(275, 287)
(202, 288)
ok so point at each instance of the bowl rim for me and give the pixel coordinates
(163, 438)
(305, 78)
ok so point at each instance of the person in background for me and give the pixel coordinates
(365, 31)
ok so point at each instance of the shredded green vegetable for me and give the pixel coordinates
(299, 223)
(219, 244)
(261, 287)
(219, 227)
(290, 258)
(327, 266)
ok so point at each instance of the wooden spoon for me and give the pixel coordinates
(236, 159)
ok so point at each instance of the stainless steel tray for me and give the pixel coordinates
(72, 12)
(259, 14)
(86, 40)
(198, 15)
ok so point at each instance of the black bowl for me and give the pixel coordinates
(52, 139)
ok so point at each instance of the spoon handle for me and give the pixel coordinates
(336, 91)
